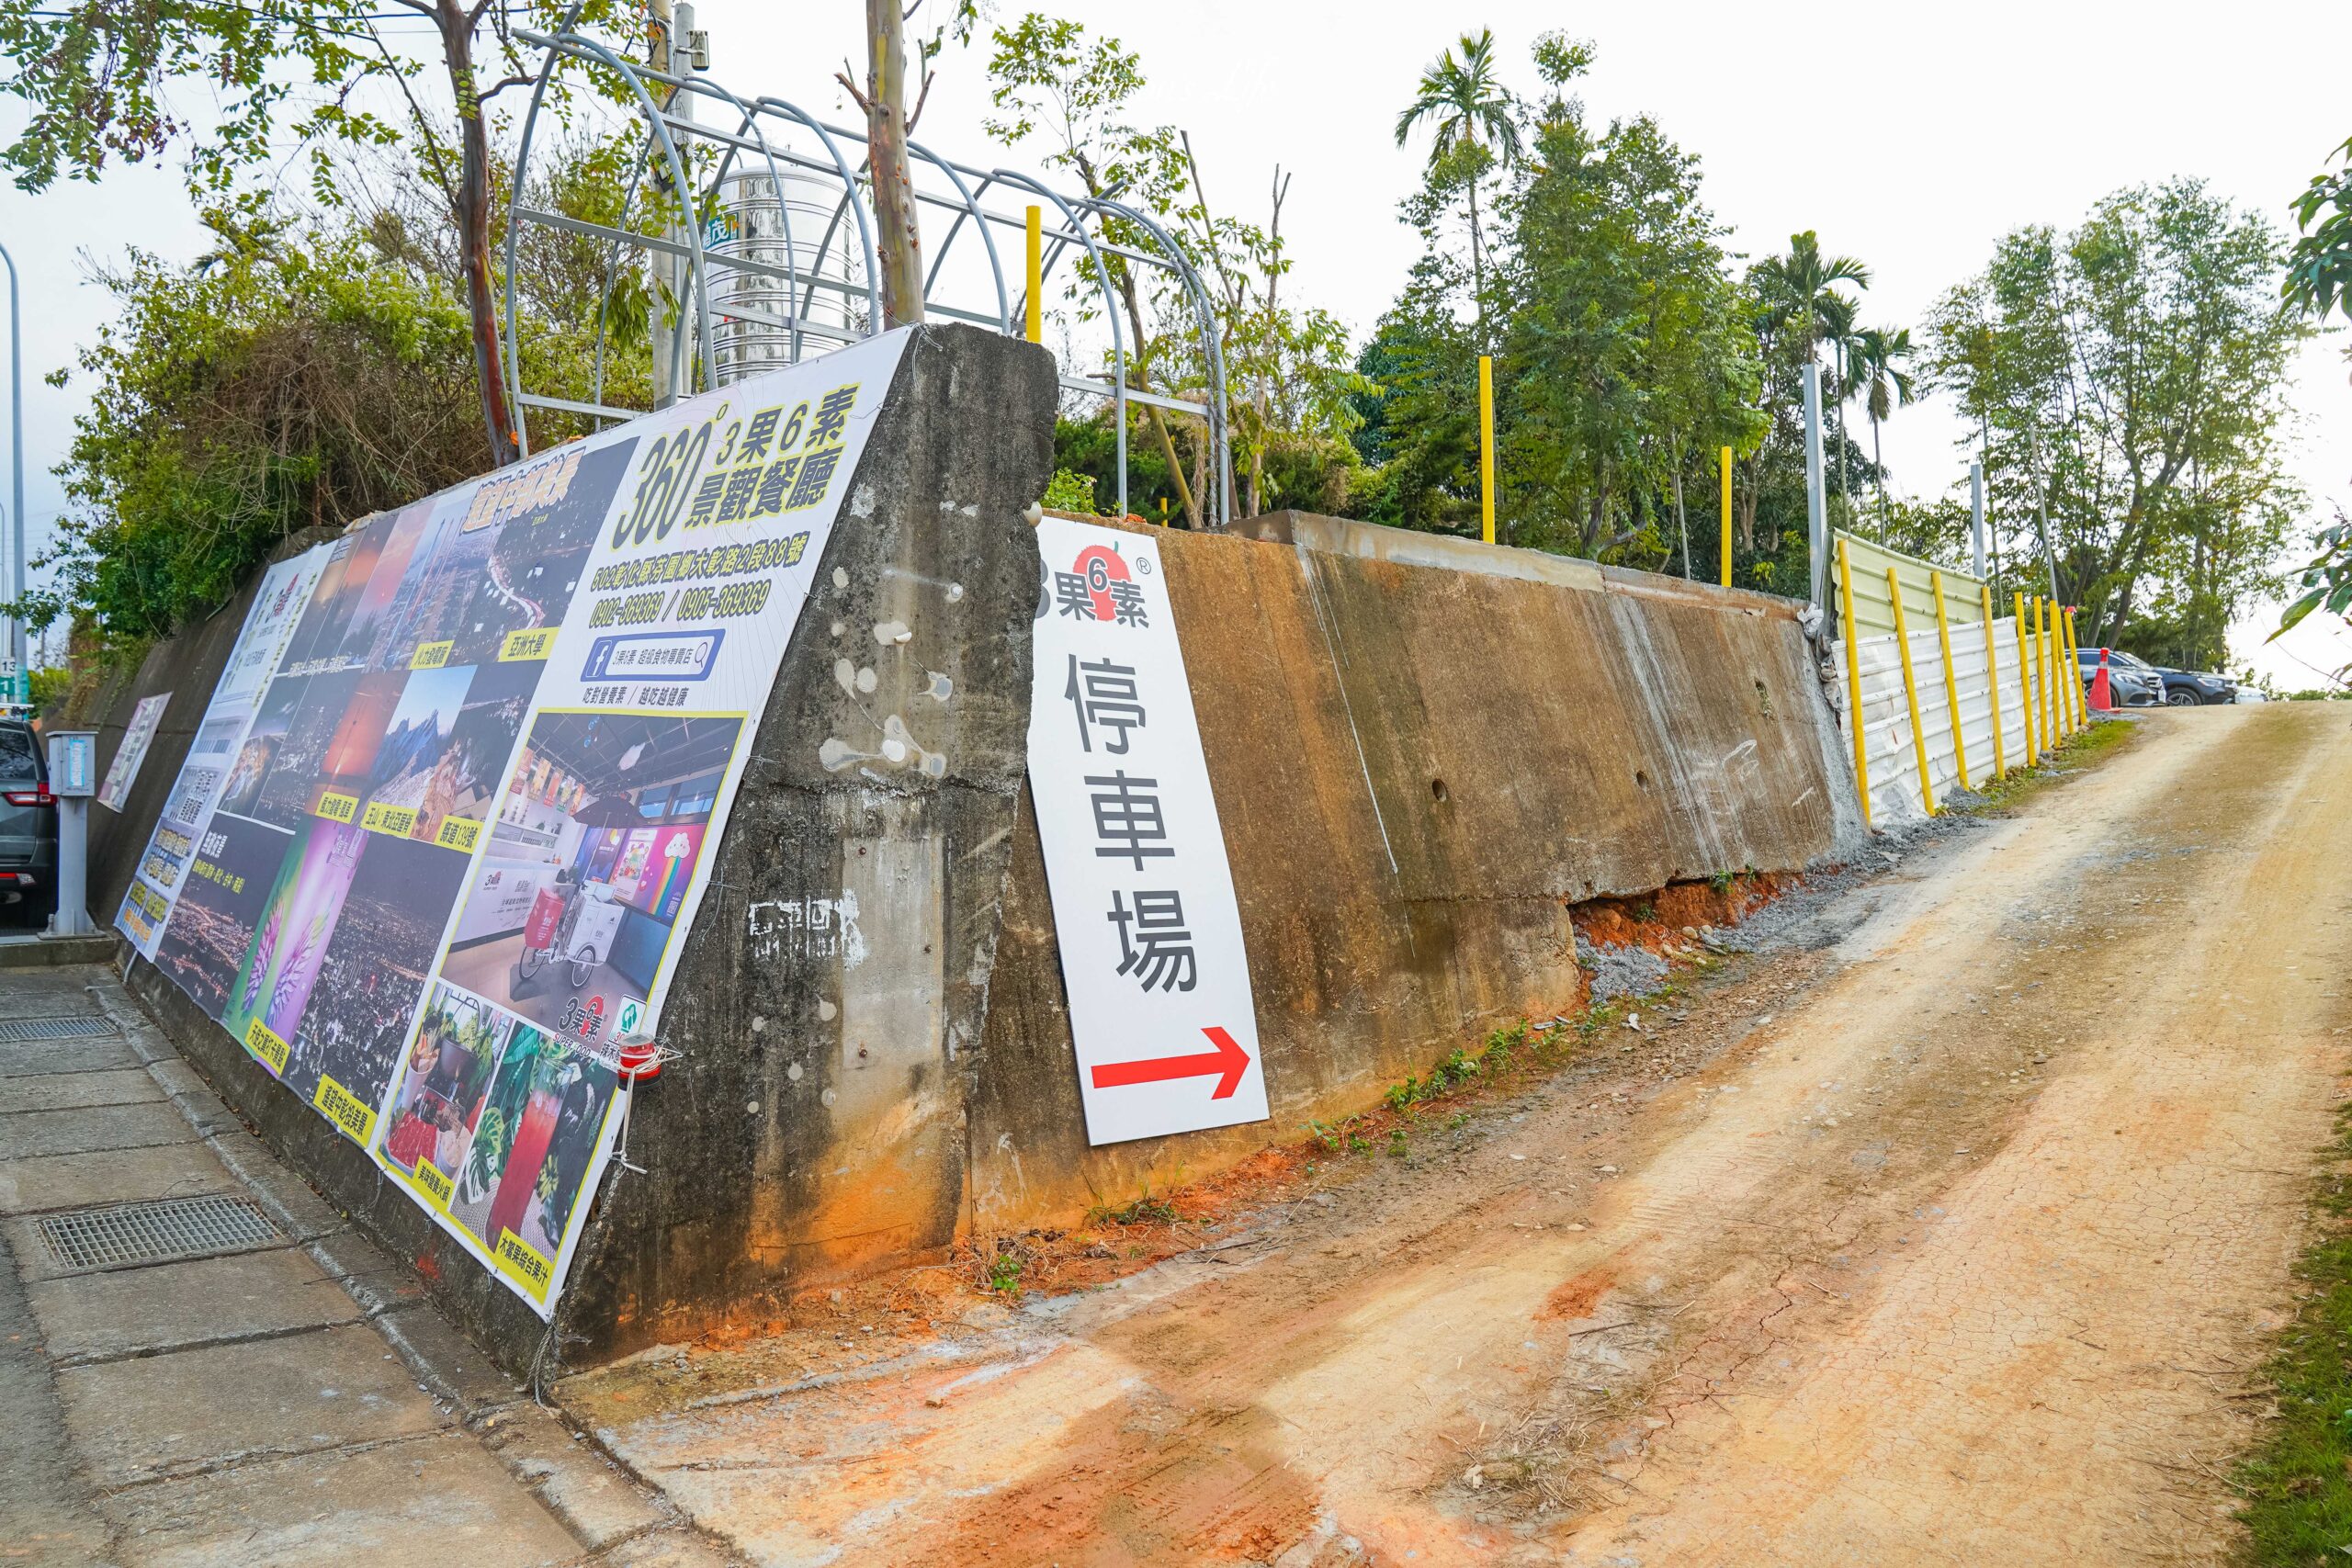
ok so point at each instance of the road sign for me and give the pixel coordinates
(1160, 1005)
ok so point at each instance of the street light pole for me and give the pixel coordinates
(20, 683)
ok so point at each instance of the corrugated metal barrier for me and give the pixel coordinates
(1957, 679)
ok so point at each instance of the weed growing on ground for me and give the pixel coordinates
(1004, 1275)
(1141, 1210)
(2297, 1481)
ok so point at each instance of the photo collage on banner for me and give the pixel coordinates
(216, 886)
(450, 845)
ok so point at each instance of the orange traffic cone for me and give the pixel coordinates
(2102, 697)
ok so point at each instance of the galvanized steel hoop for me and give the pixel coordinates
(769, 138)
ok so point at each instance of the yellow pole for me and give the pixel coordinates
(1037, 276)
(1993, 682)
(1853, 678)
(1487, 447)
(2057, 698)
(1910, 691)
(2065, 661)
(2025, 682)
(2074, 668)
(2042, 671)
(1952, 682)
(2075, 656)
(1727, 485)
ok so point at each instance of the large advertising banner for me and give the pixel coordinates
(596, 847)
(1160, 1006)
(185, 826)
(470, 762)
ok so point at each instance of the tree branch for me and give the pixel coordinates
(923, 96)
(865, 104)
(424, 126)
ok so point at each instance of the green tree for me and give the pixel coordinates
(1047, 78)
(1624, 355)
(1800, 293)
(1475, 128)
(304, 373)
(1881, 370)
(2319, 267)
(100, 77)
(1287, 369)
(2319, 279)
(1625, 352)
(2131, 377)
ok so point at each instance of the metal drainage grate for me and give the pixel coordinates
(18, 1029)
(150, 1233)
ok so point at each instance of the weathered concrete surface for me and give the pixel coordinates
(816, 1124)
(1424, 751)
(240, 1401)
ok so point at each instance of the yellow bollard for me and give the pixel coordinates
(1993, 682)
(2075, 656)
(1911, 693)
(2075, 664)
(1487, 447)
(1951, 683)
(1726, 483)
(2048, 689)
(2025, 681)
(1853, 678)
(2065, 664)
(1037, 276)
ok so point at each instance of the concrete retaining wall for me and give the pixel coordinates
(1424, 753)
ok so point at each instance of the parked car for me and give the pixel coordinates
(27, 825)
(2188, 688)
(2132, 682)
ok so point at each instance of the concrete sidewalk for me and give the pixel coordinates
(201, 1363)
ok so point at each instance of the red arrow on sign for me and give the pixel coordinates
(1229, 1061)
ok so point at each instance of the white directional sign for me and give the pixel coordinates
(1150, 936)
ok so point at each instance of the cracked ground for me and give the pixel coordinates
(1953, 1227)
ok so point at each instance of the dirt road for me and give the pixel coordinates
(1952, 1240)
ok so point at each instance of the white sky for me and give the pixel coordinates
(1910, 137)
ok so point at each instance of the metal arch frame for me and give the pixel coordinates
(668, 145)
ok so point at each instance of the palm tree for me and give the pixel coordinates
(1880, 357)
(1470, 107)
(1807, 303)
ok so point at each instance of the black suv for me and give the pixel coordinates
(2188, 688)
(27, 825)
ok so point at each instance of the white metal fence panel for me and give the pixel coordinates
(1889, 749)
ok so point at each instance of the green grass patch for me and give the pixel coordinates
(2296, 1484)
(1144, 1208)
(2084, 748)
